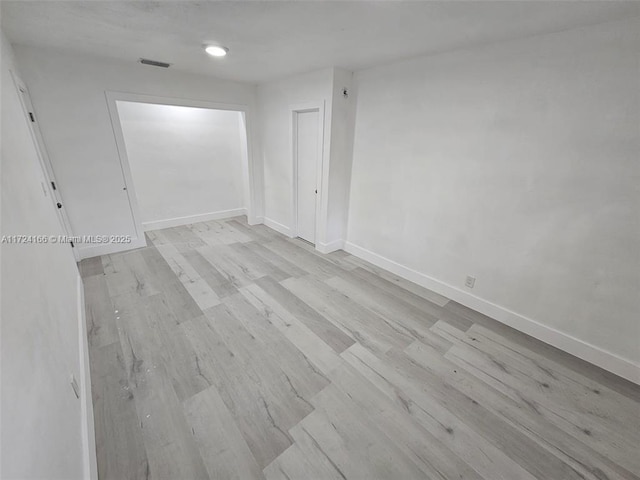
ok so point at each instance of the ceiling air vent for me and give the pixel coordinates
(154, 63)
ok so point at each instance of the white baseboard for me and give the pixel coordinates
(86, 399)
(255, 220)
(609, 361)
(330, 246)
(95, 250)
(278, 227)
(202, 217)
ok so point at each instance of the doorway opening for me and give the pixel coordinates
(182, 161)
(307, 138)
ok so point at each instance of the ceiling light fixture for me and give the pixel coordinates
(216, 51)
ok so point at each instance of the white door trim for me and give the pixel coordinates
(294, 111)
(248, 169)
(44, 160)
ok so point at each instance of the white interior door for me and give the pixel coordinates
(51, 187)
(307, 151)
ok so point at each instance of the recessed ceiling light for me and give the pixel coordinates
(216, 51)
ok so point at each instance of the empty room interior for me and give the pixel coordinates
(290, 240)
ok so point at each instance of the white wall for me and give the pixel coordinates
(339, 174)
(185, 161)
(42, 420)
(516, 163)
(275, 100)
(68, 92)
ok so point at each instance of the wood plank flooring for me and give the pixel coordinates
(227, 351)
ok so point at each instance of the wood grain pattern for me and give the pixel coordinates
(227, 351)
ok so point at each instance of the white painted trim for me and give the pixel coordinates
(248, 169)
(278, 227)
(201, 217)
(579, 348)
(247, 189)
(127, 178)
(255, 220)
(178, 102)
(294, 110)
(86, 400)
(95, 250)
(331, 246)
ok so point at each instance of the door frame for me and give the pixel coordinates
(45, 162)
(293, 136)
(112, 97)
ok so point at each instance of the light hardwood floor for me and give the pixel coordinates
(226, 351)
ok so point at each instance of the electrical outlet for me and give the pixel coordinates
(470, 281)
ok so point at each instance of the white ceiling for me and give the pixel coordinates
(268, 40)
